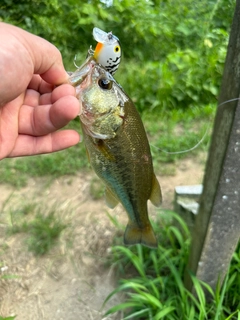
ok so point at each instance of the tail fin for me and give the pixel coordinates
(145, 236)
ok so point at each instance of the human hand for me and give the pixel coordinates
(35, 99)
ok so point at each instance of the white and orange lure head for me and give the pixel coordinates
(108, 50)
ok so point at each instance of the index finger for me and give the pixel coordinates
(47, 59)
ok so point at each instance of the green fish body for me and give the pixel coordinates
(119, 152)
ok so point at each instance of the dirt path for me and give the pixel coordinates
(70, 282)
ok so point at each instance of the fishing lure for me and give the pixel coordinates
(108, 50)
(107, 54)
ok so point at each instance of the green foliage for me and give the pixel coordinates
(177, 48)
(179, 134)
(232, 285)
(7, 318)
(183, 79)
(42, 229)
(173, 68)
(153, 287)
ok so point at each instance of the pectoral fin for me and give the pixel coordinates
(110, 199)
(134, 235)
(156, 194)
(104, 149)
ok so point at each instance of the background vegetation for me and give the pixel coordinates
(173, 58)
(152, 280)
(173, 50)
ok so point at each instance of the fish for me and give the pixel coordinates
(118, 149)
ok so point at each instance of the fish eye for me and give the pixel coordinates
(105, 83)
(116, 49)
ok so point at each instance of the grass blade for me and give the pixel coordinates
(134, 259)
(121, 306)
(137, 314)
(164, 313)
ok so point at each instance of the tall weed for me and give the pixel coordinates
(151, 280)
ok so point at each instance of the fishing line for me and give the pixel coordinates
(74, 62)
(231, 100)
(201, 140)
(187, 150)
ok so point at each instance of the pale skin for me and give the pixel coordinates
(35, 98)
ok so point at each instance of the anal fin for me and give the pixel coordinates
(111, 200)
(156, 194)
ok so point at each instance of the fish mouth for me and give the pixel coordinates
(95, 73)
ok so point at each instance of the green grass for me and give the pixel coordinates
(42, 229)
(174, 135)
(171, 131)
(152, 285)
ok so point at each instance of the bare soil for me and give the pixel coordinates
(70, 282)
